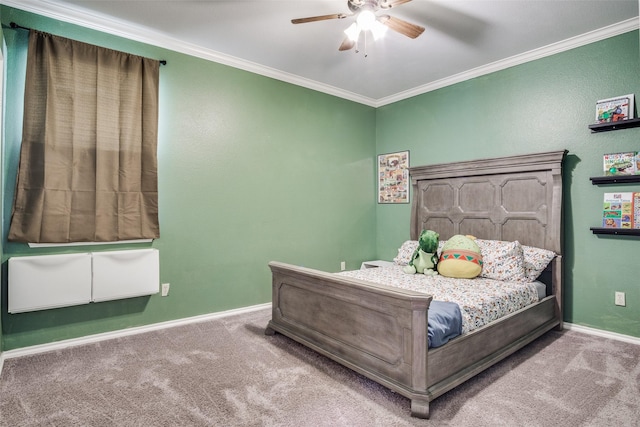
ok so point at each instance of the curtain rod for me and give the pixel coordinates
(20, 27)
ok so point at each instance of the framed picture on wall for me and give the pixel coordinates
(615, 109)
(393, 177)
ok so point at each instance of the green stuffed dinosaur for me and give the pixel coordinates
(425, 257)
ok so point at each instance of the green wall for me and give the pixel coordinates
(251, 170)
(2, 85)
(539, 106)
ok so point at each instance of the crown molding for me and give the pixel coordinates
(116, 27)
(146, 35)
(562, 46)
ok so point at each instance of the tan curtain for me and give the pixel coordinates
(88, 161)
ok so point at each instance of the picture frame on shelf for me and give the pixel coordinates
(393, 178)
(615, 109)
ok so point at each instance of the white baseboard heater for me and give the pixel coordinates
(49, 281)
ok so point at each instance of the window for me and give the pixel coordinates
(88, 160)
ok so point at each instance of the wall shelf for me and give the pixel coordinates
(614, 179)
(616, 231)
(623, 124)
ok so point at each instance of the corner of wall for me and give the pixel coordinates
(2, 50)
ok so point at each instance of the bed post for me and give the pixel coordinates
(419, 404)
(556, 288)
(420, 408)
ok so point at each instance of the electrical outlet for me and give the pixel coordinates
(165, 289)
(343, 266)
(620, 299)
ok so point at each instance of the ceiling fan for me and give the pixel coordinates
(367, 20)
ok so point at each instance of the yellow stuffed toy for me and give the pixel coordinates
(460, 258)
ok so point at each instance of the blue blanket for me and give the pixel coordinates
(444, 322)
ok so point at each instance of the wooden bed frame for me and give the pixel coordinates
(381, 331)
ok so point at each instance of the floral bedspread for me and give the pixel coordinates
(481, 300)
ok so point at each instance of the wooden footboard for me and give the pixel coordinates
(378, 331)
(381, 332)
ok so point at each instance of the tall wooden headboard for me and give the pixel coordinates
(505, 198)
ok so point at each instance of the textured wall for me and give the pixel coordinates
(543, 105)
(2, 55)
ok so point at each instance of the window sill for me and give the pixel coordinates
(61, 245)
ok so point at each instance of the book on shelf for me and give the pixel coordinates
(636, 210)
(621, 163)
(621, 210)
(615, 109)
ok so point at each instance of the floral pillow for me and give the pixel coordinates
(502, 260)
(535, 261)
(405, 252)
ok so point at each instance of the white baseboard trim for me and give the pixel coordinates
(602, 333)
(89, 339)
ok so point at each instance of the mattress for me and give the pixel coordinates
(480, 300)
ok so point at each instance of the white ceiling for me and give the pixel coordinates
(462, 39)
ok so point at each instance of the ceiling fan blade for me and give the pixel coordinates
(388, 4)
(401, 26)
(347, 44)
(318, 18)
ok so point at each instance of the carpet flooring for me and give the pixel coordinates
(226, 372)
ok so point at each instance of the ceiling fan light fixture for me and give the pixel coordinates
(353, 32)
(366, 19)
(378, 30)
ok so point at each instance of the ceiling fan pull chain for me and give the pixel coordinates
(365, 44)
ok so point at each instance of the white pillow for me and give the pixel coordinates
(502, 260)
(405, 252)
(535, 261)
